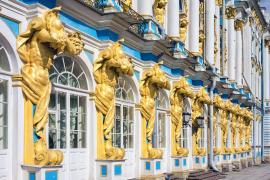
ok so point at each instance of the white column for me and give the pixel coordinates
(231, 47)
(247, 52)
(173, 18)
(225, 39)
(210, 30)
(218, 31)
(145, 7)
(194, 26)
(239, 49)
(266, 69)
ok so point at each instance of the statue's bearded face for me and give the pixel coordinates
(125, 63)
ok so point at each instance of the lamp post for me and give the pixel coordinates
(200, 121)
(186, 118)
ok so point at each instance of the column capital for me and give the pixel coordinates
(238, 24)
(267, 44)
(230, 12)
(219, 2)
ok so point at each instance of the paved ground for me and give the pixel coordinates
(261, 172)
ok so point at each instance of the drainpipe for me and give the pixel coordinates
(211, 112)
(253, 135)
(262, 101)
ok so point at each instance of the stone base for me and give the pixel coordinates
(237, 165)
(226, 167)
(244, 163)
(250, 162)
(180, 175)
(199, 162)
(41, 172)
(179, 164)
(267, 159)
(258, 160)
(151, 168)
(110, 169)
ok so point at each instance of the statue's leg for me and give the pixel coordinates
(100, 137)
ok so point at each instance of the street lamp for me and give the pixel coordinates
(200, 121)
(186, 118)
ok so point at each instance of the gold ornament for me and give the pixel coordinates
(44, 38)
(230, 12)
(238, 24)
(159, 10)
(151, 82)
(201, 31)
(180, 90)
(129, 5)
(110, 64)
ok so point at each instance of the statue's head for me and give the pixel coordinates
(124, 63)
(182, 87)
(157, 77)
(162, 3)
(55, 28)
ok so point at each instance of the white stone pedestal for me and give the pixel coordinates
(151, 167)
(179, 164)
(199, 162)
(31, 172)
(110, 170)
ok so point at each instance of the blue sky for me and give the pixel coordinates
(265, 3)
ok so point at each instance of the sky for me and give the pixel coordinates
(265, 3)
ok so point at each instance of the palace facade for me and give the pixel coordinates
(123, 89)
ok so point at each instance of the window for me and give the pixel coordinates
(3, 114)
(159, 135)
(123, 131)
(67, 108)
(184, 139)
(4, 83)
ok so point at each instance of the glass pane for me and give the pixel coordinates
(72, 81)
(4, 90)
(125, 113)
(52, 139)
(62, 139)
(117, 126)
(83, 82)
(52, 121)
(3, 137)
(73, 121)
(63, 79)
(130, 140)
(73, 103)
(58, 64)
(4, 64)
(117, 140)
(82, 123)
(52, 104)
(62, 101)
(3, 114)
(118, 93)
(82, 104)
(74, 139)
(63, 120)
(125, 141)
(124, 95)
(118, 112)
(82, 140)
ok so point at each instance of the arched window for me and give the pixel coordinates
(159, 135)
(184, 132)
(67, 109)
(4, 84)
(123, 131)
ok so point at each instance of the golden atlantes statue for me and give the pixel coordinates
(199, 101)
(110, 64)
(179, 92)
(159, 10)
(152, 81)
(44, 38)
